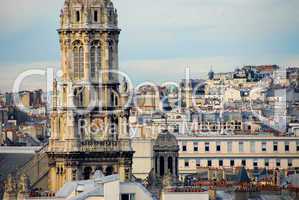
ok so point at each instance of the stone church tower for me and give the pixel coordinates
(89, 127)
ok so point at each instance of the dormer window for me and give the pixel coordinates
(95, 16)
(78, 16)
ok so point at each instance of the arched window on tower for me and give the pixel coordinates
(74, 174)
(170, 164)
(81, 62)
(114, 99)
(176, 166)
(95, 16)
(95, 59)
(110, 53)
(111, 57)
(87, 173)
(78, 60)
(110, 12)
(156, 164)
(78, 16)
(78, 97)
(109, 170)
(162, 170)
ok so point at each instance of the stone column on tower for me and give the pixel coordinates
(86, 47)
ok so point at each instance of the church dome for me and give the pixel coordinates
(166, 142)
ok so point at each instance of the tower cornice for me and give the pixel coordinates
(88, 30)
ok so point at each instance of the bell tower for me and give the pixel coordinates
(86, 119)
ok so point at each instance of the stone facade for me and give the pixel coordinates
(87, 119)
(252, 152)
(16, 188)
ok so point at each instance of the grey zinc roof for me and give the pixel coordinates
(66, 190)
(69, 187)
(9, 162)
(243, 177)
(292, 179)
(92, 192)
(89, 188)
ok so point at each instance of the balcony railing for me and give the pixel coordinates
(106, 146)
(92, 146)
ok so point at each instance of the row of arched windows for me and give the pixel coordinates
(95, 16)
(95, 58)
(169, 165)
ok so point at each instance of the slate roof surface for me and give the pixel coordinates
(9, 162)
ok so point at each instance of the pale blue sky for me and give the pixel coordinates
(160, 38)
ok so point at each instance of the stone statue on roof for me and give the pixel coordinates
(167, 180)
(23, 185)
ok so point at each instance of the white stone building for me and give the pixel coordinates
(217, 151)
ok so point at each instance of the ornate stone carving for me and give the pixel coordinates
(24, 184)
(124, 86)
(10, 184)
(167, 180)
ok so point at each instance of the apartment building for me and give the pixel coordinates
(234, 151)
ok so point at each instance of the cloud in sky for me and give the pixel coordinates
(18, 15)
(10, 73)
(164, 36)
(165, 70)
(139, 71)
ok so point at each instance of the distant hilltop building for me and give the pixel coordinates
(29, 99)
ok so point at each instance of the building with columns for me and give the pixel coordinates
(166, 155)
(87, 120)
